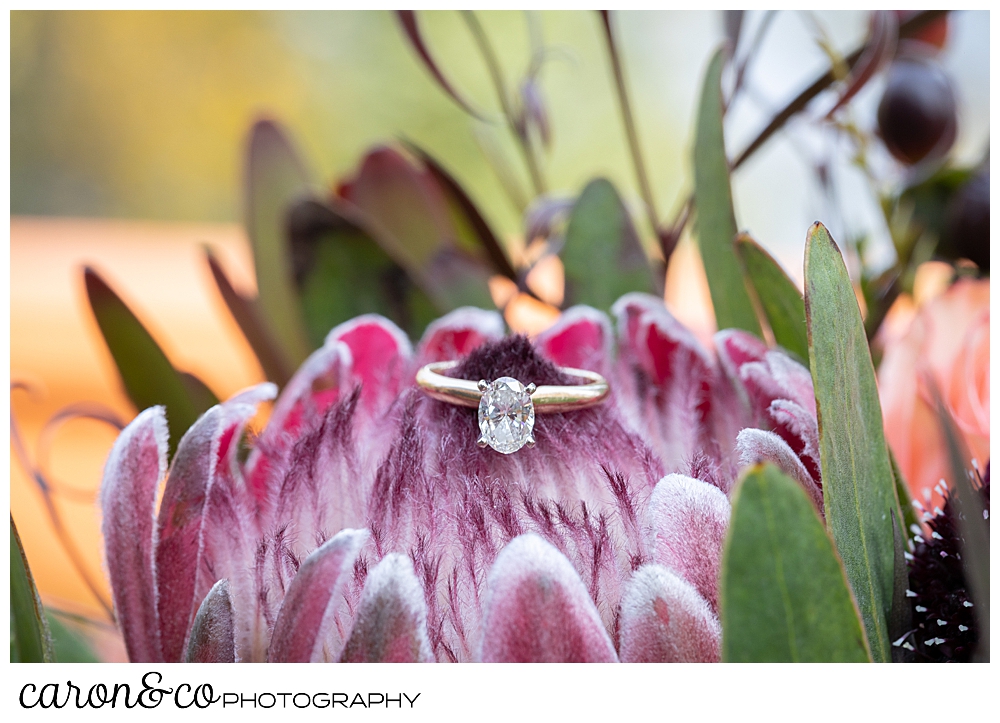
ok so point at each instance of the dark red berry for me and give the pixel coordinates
(916, 117)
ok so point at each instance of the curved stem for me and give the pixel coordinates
(799, 102)
(496, 75)
(910, 27)
(630, 128)
(69, 547)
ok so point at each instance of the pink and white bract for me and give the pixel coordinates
(366, 524)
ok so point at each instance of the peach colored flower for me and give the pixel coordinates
(949, 341)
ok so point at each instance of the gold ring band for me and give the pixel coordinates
(547, 399)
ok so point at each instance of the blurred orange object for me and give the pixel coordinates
(949, 341)
(56, 350)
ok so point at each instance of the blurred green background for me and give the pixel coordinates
(144, 114)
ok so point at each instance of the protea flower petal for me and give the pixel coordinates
(203, 525)
(736, 348)
(132, 475)
(797, 426)
(687, 523)
(390, 625)
(756, 445)
(581, 339)
(664, 379)
(212, 634)
(380, 358)
(307, 613)
(778, 394)
(538, 610)
(777, 376)
(306, 397)
(665, 620)
(457, 333)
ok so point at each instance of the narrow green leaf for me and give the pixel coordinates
(858, 484)
(68, 645)
(716, 222)
(341, 272)
(30, 641)
(275, 178)
(275, 362)
(602, 256)
(146, 372)
(784, 595)
(780, 300)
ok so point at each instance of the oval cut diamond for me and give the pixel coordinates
(506, 415)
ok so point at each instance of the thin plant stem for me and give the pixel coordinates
(54, 517)
(496, 75)
(755, 44)
(797, 104)
(822, 83)
(629, 121)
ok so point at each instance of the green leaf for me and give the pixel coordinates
(716, 222)
(858, 484)
(275, 178)
(68, 645)
(405, 210)
(30, 641)
(780, 300)
(784, 595)
(275, 362)
(341, 272)
(146, 372)
(602, 256)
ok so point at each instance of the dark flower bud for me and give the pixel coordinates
(967, 235)
(945, 625)
(916, 117)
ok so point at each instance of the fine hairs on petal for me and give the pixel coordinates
(513, 356)
(132, 476)
(204, 525)
(390, 625)
(756, 445)
(799, 428)
(686, 526)
(537, 609)
(307, 612)
(212, 639)
(665, 620)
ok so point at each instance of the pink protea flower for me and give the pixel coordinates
(366, 525)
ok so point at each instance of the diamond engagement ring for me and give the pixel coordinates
(506, 406)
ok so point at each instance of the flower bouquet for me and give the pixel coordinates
(433, 484)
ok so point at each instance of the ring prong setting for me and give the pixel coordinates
(530, 443)
(483, 385)
(482, 442)
(530, 389)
